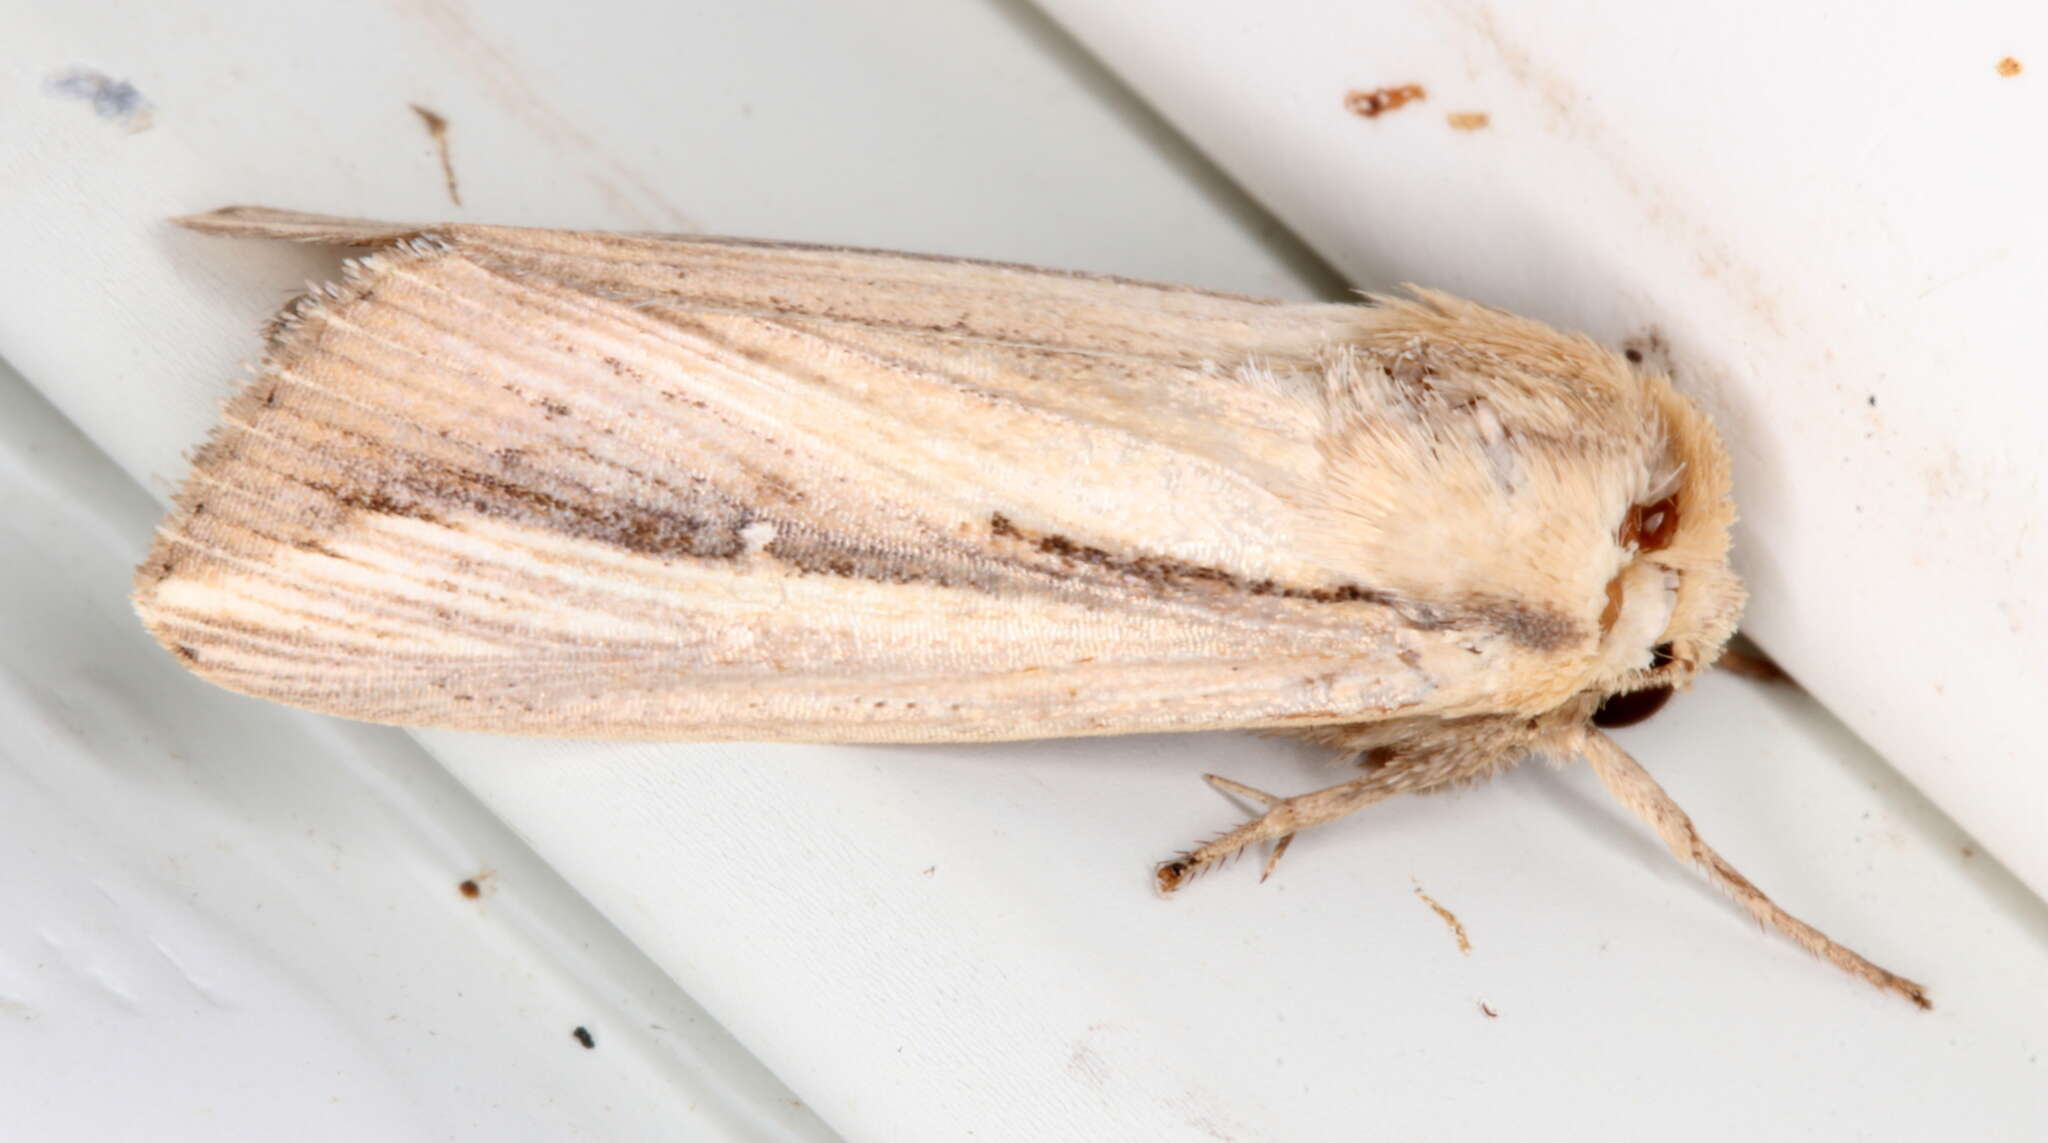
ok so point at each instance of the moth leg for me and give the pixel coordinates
(1630, 784)
(1284, 817)
(1263, 798)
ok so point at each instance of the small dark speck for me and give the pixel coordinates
(584, 1037)
(1488, 1010)
(470, 889)
(1969, 851)
(1872, 400)
(111, 99)
(1635, 356)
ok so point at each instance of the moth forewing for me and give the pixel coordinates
(568, 483)
(494, 482)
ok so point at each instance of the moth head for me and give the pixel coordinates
(1674, 600)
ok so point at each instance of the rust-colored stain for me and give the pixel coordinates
(2009, 67)
(1380, 100)
(1450, 918)
(437, 127)
(470, 889)
(1468, 120)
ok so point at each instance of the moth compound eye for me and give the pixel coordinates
(1631, 708)
(1661, 654)
(1650, 527)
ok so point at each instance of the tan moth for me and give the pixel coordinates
(567, 483)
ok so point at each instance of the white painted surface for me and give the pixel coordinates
(224, 920)
(920, 943)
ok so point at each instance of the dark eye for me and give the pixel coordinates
(1650, 527)
(1631, 708)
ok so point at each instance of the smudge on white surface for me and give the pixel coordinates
(115, 100)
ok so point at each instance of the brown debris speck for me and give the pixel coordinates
(437, 127)
(1487, 1009)
(2009, 67)
(1468, 120)
(470, 889)
(1372, 104)
(1450, 918)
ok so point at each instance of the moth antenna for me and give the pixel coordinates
(1633, 787)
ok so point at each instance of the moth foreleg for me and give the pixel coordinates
(1284, 817)
(1632, 785)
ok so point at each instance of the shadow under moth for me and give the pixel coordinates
(568, 483)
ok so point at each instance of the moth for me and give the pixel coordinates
(550, 482)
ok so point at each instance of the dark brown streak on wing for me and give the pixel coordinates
(1538, 628)
(707, 524)
(713, 534)
(1178, 574)
(376, 502)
